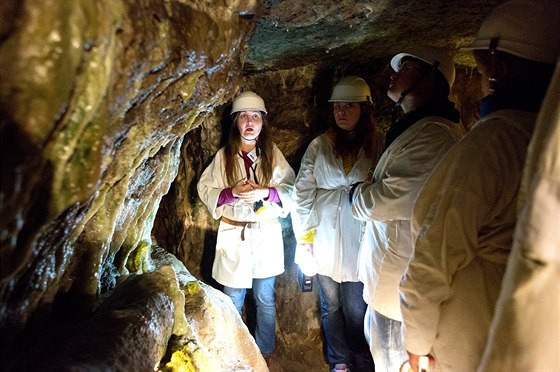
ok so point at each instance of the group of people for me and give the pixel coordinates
(409, 248)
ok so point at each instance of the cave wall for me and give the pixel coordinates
(95, 100)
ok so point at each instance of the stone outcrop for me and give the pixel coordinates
(96, 98)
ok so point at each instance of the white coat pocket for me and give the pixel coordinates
(233, 264)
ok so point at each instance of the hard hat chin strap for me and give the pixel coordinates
(404, 93)
(492, 80)
(248, 139)
(493, 45)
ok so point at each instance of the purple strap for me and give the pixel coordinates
(273, 196)
(247, 161)
(226, 197)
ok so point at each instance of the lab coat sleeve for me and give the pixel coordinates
(305, 217)
(211, 183)
(391, 196)
(525, 329)
(457, 201)
(283, 180)
(445, 243)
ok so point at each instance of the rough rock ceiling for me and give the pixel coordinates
(294, 33)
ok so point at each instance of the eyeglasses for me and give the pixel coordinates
(408, 66)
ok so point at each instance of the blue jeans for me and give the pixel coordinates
(385, 339)
(263, 293)
(342, 315)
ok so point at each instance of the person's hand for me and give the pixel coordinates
(414, 361)
(308, 247)
(307, 262)
(255, 193)
(240, 187)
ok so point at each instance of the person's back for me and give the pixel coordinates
(524, 331)
(464, 216)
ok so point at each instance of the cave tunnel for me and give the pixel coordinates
(110, 111)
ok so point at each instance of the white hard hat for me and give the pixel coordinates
(351, 89)
(437, 57)
(527, 29)
(248, 101)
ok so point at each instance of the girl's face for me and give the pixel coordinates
(250, 124)
(346, 114)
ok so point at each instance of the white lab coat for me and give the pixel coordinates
(463, 223)
(386, 205)
(321, 202)
(525, 330)
(246, 253)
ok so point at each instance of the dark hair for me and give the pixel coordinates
(362, 136)
(264, 148)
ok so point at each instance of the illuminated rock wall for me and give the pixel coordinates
(96, 97)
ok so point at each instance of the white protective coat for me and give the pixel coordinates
(463, 223)
(246, 253)
(321, 202)
(386, 204)
(525, 330)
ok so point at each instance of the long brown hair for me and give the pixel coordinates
(264, 150)
(362, 136)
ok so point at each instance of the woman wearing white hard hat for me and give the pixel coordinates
(327, 233)
(248, 186)
(414, 145)
(464, 217)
